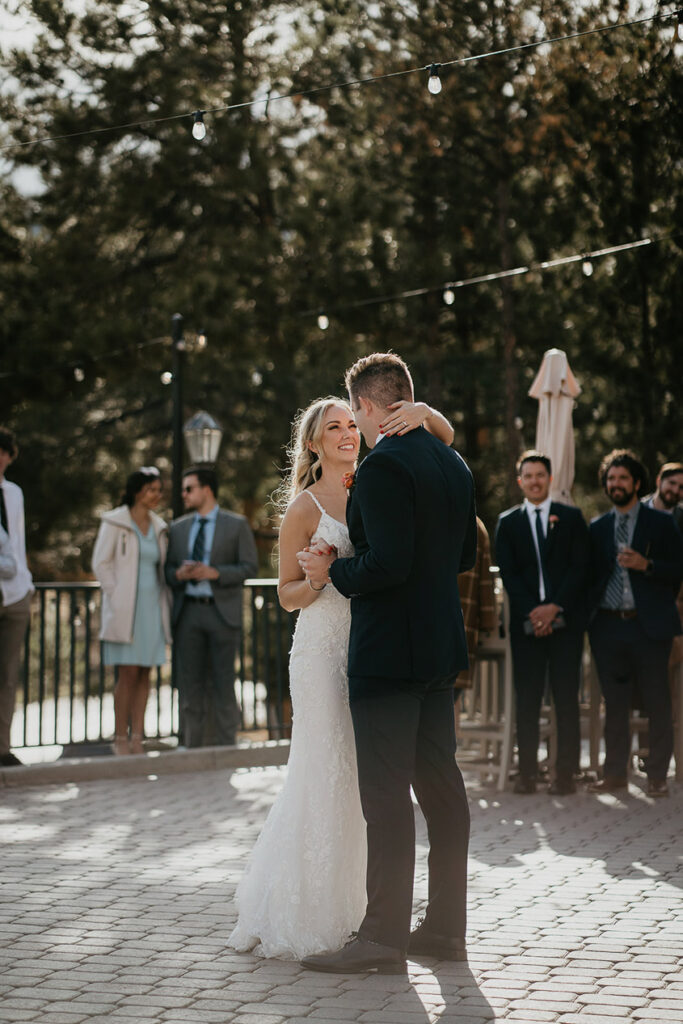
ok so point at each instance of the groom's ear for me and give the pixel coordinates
(366, 405)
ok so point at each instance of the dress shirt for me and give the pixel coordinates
(202, 588)
(627, 602)
(530, 510)
(21, 584)
(8, 563)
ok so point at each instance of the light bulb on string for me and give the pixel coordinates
(198, 126)
(166, 378)
(434, 80)
(587, 267)
(323, 322)
(79, 374)
(449, 296)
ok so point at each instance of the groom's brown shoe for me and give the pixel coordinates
(424, 942)
(357, 956)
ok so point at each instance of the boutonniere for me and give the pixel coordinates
(551, 522)
(349, 481)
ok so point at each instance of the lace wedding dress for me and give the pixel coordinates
(303, 890)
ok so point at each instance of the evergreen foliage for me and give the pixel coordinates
(320, 201)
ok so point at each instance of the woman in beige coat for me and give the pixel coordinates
(128, 560)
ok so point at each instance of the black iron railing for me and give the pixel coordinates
(66, 693)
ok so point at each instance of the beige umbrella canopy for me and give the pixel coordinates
(555, 387)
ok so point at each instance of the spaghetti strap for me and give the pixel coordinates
(313, 497)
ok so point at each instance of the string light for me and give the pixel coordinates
(79, 374)
(587, 267)
(449, 296)
(498, 275)
(198, 115)
(323, 322)
(166, 378)
(434, 81)
(198, 126)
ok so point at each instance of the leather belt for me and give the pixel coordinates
(621, 613)
(199, 600)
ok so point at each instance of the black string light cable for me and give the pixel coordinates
(448, 289)
(433, 83)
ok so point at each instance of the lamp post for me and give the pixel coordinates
(203, 436)
(177, 419)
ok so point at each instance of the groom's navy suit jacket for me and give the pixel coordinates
(411, 519)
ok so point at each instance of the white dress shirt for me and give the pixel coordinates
(545, 515)
(21, 583)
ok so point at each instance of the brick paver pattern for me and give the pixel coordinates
(116, 904)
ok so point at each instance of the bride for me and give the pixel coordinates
(303, 890)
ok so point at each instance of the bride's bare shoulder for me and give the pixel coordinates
(301, 513)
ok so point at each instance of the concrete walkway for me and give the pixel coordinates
(116, 903)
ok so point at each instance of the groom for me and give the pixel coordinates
(412, 522)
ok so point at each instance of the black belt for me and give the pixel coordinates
(199, 600)
(621, 613)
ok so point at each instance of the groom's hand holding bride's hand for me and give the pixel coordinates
(315, 562)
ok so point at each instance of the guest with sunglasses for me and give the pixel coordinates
(211, 552)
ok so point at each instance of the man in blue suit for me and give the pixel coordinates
(637, 567)
(542, 552)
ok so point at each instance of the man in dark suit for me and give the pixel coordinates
(210, 554)
(542, 552)
(412, 521)
(637, 567)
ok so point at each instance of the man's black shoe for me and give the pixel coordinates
(9, 760)
(609, 784)
(424, 942)
(358, 956)
(524, 784)
(562, 787)
(657, 787)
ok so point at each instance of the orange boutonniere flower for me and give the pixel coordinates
(349, 481)
(552, 520)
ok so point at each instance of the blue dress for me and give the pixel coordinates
(149, 645)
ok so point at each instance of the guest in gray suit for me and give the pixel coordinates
(210, 554)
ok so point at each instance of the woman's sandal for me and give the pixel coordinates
(136, 745)
(120, 745)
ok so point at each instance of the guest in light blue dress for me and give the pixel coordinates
(128, 560)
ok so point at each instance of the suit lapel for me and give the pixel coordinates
(552, 527)
(639, 540)
(217, 534)
(526, 535)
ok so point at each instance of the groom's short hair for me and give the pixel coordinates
(382, 377)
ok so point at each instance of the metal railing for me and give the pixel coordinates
(65, 695)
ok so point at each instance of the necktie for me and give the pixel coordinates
(198, 546)
(614, 592)
(540, 537)
(3, 511)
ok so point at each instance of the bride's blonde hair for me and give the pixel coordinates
(304, 462)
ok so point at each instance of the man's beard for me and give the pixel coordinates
(620, 497)
(668, 503)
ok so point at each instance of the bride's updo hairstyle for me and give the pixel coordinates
(304, 462)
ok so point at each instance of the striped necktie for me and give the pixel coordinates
(614, 591)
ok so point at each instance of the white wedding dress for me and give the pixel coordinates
(303, 890)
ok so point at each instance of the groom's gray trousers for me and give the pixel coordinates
(405, 737)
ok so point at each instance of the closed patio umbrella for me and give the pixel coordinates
(555, 387)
